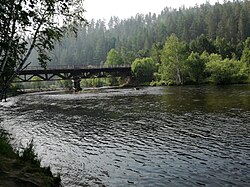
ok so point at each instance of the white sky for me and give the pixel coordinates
(104, 9)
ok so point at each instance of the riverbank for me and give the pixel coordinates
(25, 170)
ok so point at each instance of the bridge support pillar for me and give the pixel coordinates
(76, 84)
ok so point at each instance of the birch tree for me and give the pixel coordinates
(172, 61)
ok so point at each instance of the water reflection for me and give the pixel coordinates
(177, 136)
(207, 98)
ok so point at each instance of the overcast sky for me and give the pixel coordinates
(104, 9)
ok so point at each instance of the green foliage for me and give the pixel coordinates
(143, 53)
(224, 48)
(144, 69)
(246, 52)
(127, 56)
(219, 28)
(199, 25)
(95, 82)
(173, 57)
(201, 44)
(5, 147)
(29, 155)
(196, 65)
(247, 43)
(113, 58)
(226, 71)
(66, 84)
(36, 84)
(42, 23)
(40, 85)
(155, 53)
(246, 56)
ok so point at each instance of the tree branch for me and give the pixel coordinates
(13, 31)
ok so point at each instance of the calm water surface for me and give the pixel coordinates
(165, 136)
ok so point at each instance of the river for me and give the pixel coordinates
(154, 136)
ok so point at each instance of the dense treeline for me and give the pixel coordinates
(204, 36)
(134, 37)
(179, 64)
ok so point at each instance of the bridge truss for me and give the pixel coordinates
(74, 73)
(71, 73)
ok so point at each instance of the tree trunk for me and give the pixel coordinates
(179, 81)
(3, 95)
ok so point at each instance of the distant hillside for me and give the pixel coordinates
(134, 37)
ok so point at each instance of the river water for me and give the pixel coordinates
(154, 136)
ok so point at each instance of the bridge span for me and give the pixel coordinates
(74, 73)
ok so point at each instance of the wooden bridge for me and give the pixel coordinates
(74, 73)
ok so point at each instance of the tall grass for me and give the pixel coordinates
(5, 147)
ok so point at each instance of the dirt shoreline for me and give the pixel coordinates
(23, 171)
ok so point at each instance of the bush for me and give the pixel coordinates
(5, 147)
(226, 71)
(29, 155)
(195, 67)
(144, 69)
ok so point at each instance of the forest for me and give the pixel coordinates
(201, 44)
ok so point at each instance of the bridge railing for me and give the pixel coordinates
(77, 67)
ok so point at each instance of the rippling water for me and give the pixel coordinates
(171, 136)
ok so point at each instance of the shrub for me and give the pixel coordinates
(227, 71)
(144, 69)
(5, 147)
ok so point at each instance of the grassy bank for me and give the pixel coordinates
(24, 170)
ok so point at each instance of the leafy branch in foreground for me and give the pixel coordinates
(33, 24)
